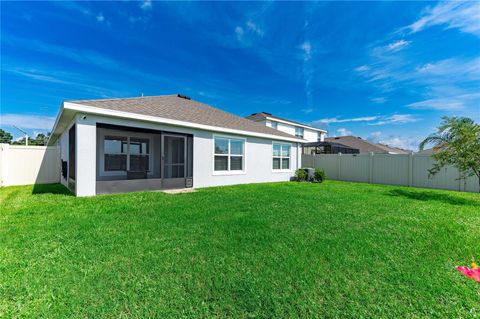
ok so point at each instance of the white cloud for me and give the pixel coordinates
(374, 136)
(327, 121)
(371, 120)
(462, 15)
(448, 103)
(100, 17)
(362, 68)
(146, 5)
(379, 100)
(307, 50)
(396, 119)
(28, 121)
(400, 141)
(254, 28)
(397, 45)
(343, 132)
(239, 32)
(308, 110)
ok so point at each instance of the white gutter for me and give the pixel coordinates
(134, 116)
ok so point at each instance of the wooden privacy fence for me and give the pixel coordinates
(23, 165)
(394, 169)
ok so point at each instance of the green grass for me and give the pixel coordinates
(332, 250)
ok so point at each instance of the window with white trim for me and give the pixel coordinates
(281, 156)
(274, 124)
(122, 153)
(319, 136)
(229, 154)
(299, 132)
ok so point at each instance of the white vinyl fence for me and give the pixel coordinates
(394, 169)
(23, 165)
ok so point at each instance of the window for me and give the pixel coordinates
(229, 154)
(115, 148)
(299, 132)
(126, 153)
(281, 156)
(319, 137)
(274, 124)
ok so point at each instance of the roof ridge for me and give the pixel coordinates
(123, 98)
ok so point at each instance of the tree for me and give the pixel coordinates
(5, 137)
(458, 142)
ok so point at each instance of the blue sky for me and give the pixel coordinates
(386, 71)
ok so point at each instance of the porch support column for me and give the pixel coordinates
(86, 155)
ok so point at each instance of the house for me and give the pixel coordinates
(162, 142)
(365, 146)
(306, 132)
(328, 148)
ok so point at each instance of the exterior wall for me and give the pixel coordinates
(258, 162)
(86, 155)
(24, 165)
(287, 128)
(392, 169)
(258, 155)
(308, 134)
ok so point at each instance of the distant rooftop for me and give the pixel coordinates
(365, 146)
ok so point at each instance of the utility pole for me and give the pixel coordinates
(26, 135)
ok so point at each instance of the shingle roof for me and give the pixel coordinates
(365, 146)
(182, 109)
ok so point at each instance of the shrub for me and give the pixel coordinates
(319, 175)
(301, 175)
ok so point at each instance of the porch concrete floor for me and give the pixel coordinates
(179, 191)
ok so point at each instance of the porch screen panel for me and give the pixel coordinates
(71, 152)
(139, 154)
(189, 156)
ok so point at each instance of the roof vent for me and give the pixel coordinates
(183, 97)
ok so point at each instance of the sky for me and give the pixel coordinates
(385, 71)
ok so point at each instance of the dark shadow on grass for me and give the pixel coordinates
(429, 195)
(57, 189)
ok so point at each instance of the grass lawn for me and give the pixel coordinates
(334, 250)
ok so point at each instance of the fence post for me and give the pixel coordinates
(339, 157)
(3, 162)
(370, 169)
(410, 169)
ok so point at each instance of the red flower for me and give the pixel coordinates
(473, 273)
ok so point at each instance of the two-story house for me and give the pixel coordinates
(307, 132)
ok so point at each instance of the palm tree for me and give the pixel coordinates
(458, 142)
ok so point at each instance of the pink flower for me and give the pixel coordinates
(473, 273)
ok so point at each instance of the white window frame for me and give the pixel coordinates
(274, 125)
(281, 170)
(228, 155)
(319, 136)
(299, 128)
(118, 133)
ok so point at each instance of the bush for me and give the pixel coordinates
(301, 175)
(319, 175)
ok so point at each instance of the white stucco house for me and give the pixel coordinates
(303, 131)
(162, 142)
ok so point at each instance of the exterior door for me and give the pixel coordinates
(174, 151)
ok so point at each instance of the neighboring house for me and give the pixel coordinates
(308, 133)
(161, 142)
(365, 146)
(430, 151)
(328, 148)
